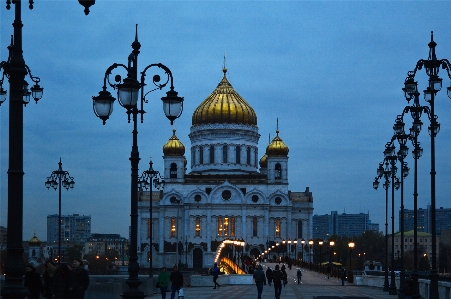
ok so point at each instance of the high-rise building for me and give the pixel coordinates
(231, 191)
(74, 228)
(349, 225)
(442, 219)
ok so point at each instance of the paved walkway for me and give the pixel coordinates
(313, 284)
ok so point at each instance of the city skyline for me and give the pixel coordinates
(334, 81)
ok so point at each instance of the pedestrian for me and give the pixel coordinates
(407, 289)
(283, 267)
(269, 276)
(32, 281)
(80, 279)
(62, 282)
(342, 276)
(176, 279)
(299, 275)
(163, 282)
(284, 277)
(328, 271)
(277, 280)
(216, 275)
(47, 278)
(259, 278)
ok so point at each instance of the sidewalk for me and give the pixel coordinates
(313, 284)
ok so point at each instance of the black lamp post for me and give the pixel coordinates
(295, 241)
(278, 251)
(15, 70)
(57, 179)
(128, 93)
(432, 66)
(320, 243)
(146, 180)
(284, 254)
(302, 245)
(331, 256)
(351, 245)
(310, 243)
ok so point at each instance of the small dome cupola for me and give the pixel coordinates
(264, 161)
(224, 106)
(277, 147)
(174, 147)
(34, 241)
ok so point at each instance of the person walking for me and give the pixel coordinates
(32, 281)
(269, 276)
(259, 278)
(299, 275)
(176, 279)
(216, 275)
(277, 280)
(163, 282)
(80, 279)
(47, 278)
(284, 277)
(342, 276)
(62, 282)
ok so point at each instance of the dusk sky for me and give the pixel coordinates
(332, 72)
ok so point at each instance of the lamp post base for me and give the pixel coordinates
(386, 283)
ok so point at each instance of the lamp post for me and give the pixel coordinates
(351, 245)
(310, 243)
(278, 251)
(128, 91)
(284, 254)
(15, 70)
(57, 179)
(148, 178)
(289, 248)
(320, 243)
(432, 66)
(331, 246)
(295, 241)
(302, 244)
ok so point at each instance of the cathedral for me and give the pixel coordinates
(230, 193)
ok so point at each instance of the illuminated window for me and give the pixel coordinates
(232, 227)
(224, 154)
(197, 226)
(254, 227)
(226, 226)
(277, 228)
(220, 227)
(173, 227)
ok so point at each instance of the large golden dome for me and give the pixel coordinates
(224, 105)
(174, 147)
(277, 147)
(34, 241)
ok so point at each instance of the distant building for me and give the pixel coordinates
(442, 219)
(74, 229)
(100, 244)
(349, 225)
(424, 243)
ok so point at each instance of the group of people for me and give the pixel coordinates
(176, 279)
(278, 277)
(61, 282)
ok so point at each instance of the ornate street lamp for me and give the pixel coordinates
(278, 251)
(148, 178)
(351, 245)
(283, 242)
(320, 243)
(295, 241)
(310, 243)
(57, 179)
(432, 66)
(15, 70)
(331, 246)
(129, 90)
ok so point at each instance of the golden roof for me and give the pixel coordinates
(264, 161)
(34, 241)
(277, 147)
(224, 105)
(173, 147)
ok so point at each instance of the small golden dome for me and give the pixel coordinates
(264, 161)
(224, 105)
(173, 147)
(34, 241)
(277, 147)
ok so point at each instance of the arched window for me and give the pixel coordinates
(173, 227)
(224, 154)
(238, 154)
(201, 155)
(197, 226)
(299, 229)
(212, 154)
(173, 171)
(277, 228)
(278, 172)
(248, 153)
